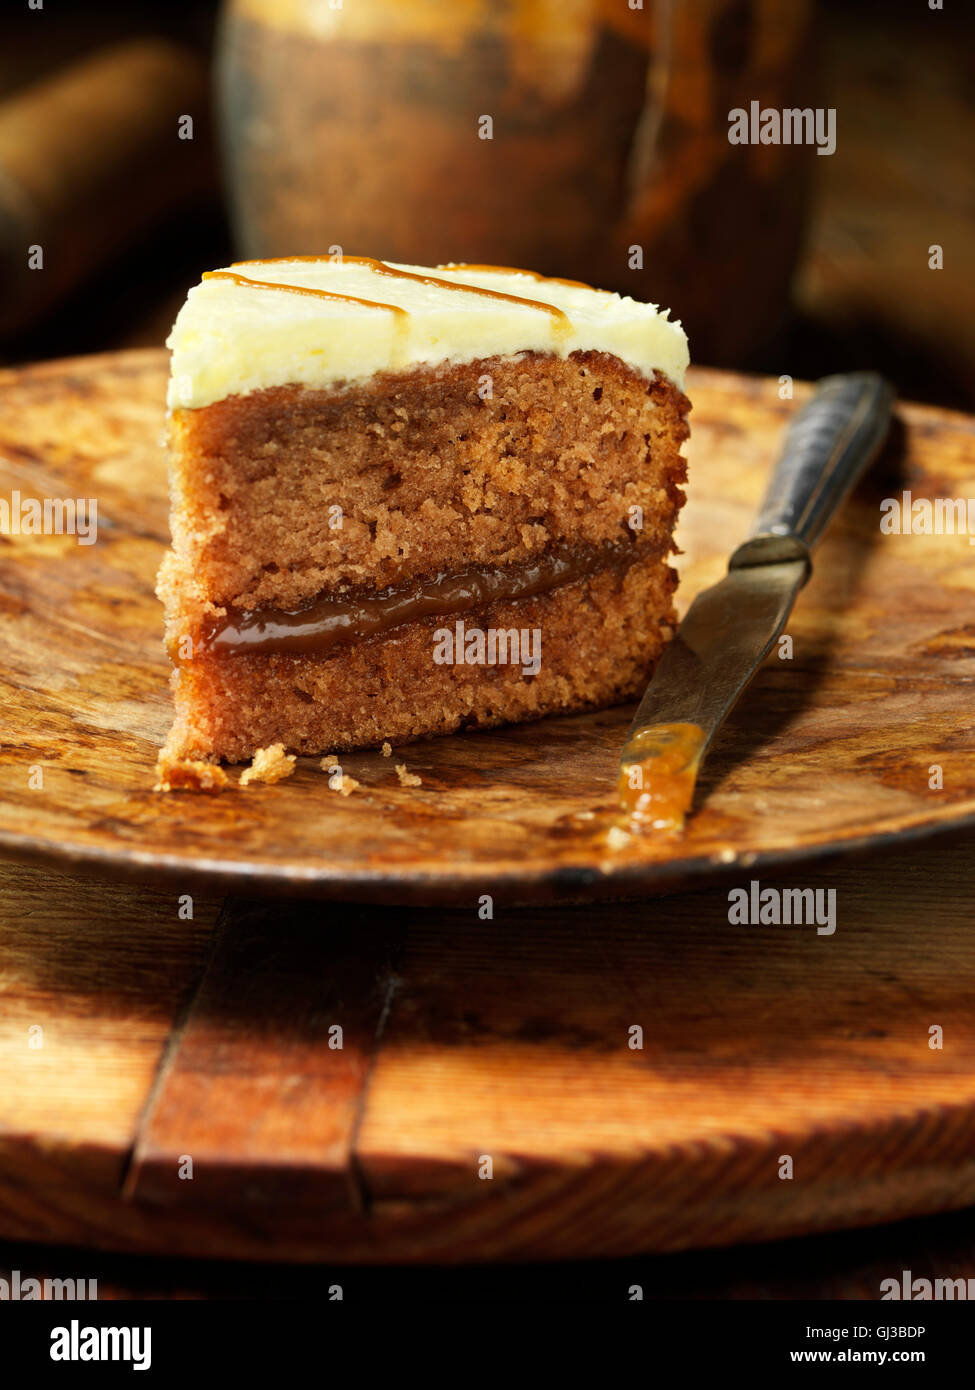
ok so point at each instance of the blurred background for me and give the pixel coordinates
(317, 123)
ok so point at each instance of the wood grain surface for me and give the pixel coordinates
(830, 749)
(167, 1038)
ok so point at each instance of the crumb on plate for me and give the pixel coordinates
(343, 784)
(174, 774)
(268, 765)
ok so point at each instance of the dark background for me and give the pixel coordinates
(903, 177)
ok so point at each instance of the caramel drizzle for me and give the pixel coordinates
(561, 321)
(514, 270)
(246, 281)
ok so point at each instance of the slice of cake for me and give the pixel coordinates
(408, 501)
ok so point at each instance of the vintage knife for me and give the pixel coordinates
(730, 628)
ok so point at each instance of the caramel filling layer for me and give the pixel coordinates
(336, 618)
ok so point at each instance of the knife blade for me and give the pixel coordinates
(730, 628)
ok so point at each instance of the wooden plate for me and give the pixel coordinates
(863, 733)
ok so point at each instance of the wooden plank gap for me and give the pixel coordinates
(180, 1018)
(260, 1094)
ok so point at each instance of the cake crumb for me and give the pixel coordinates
(269, 765)
(387, 750)
(188, 775)
(345, 785)
(407, 779)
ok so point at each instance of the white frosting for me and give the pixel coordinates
(230, 338)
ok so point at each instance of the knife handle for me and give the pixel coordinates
(827, 447)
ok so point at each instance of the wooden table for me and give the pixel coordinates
(166, 1037)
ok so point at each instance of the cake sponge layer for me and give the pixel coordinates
(286, 493)
(596, 642)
